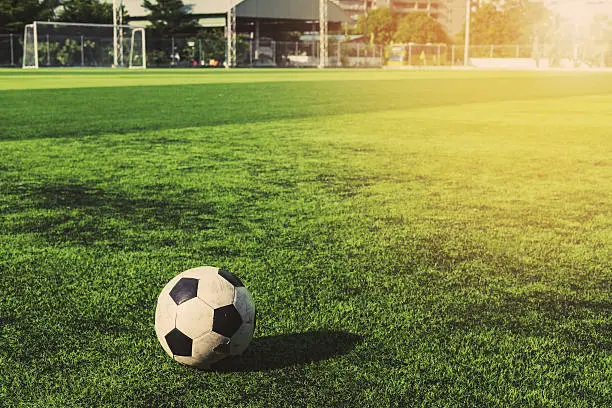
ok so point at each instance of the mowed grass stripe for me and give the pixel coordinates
(80, 112)
(451, 255)
(49, 78)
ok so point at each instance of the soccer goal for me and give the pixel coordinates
(57, 44)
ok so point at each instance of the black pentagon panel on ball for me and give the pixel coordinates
(231, 278)
(179, 343)
(185, 289)
(226, 321)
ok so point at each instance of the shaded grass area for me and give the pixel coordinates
(453, 255)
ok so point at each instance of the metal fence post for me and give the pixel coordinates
(409, 54)
(250, 52)
(12, 50)
(517, 50)
(575, 53)
(453, 55)
(201, 56)
(48, 52)
(82, 53)
(172, 53)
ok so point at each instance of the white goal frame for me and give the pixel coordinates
(33, 28)
(144, 49)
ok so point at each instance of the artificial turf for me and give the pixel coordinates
(410, 238)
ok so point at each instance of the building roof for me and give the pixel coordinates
(270, 9)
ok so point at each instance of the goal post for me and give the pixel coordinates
(30, 47)
(117, 33)
(138, 49)
(60, 44)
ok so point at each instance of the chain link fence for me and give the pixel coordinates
(209, 51)
(11, 50)
(591, 55)
(265, 52)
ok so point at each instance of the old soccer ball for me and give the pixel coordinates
(204, 315)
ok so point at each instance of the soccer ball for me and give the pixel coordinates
(204, 315)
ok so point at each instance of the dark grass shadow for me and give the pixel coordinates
(38, 342)
(5, 321)
(487, 294)
(95, 208)
(546, 315)
(276, 352)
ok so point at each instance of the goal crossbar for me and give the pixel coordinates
(60, 23)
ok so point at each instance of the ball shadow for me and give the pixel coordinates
(274, 352)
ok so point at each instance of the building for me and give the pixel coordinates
(269, 16)
(355, 8)
(267, 27)
(450, 13)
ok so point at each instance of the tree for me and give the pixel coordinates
(15, 14)
(528, 22)
(597, 43)
(86, 11)
(213, 42)
(378, 24)
(169, 17)
(491, 26)
(517, 21)
(600, 29)
(418, 27)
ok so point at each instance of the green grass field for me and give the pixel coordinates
(411, 238)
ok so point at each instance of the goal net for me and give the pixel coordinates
(419, 55)
(57, 44)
